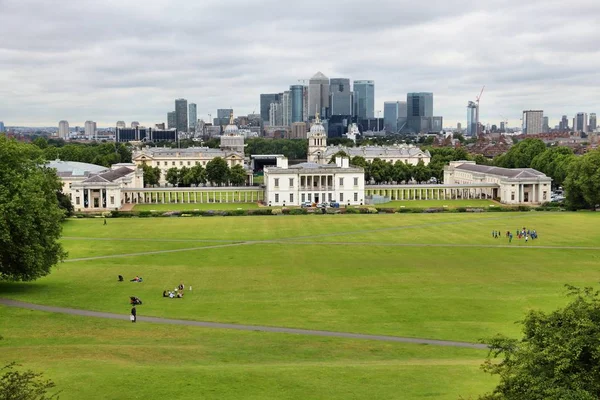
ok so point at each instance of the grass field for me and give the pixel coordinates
(404, 275)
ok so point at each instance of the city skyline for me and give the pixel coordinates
(103, 70)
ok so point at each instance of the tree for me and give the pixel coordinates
(172, 176)
(27, 385)
(151, 175)
(582, 184)
(421, 173)
(217, 171)
(198, 175)
(557, 357)
(64, 202)
(554, 162)
(237, 175)
(360, 162)
(30, 216)
(340, 153)
(401, 172)
(521, 155)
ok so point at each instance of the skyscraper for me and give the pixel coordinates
(390, 116)
(297, 103)
(63, 129)
(419, 111)
(341, 102)
(265, 104)
(121, 124)
(134, 124)
(318, 96)
(181, 115)
(533, 122)
(546, 125)
(223, 115)
(581, 122)
(364, 99)
(563, 126)
(286, 108)
(171, 120)
(193, 116)
(90, 129)
(2, 127)
(593, 123)
(276, 114)
(471, 119)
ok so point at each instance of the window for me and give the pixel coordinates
(341, 181)
(341, 197)
(172, 162)
(291, 182)
(112, 199)
(77, 200)
(180, 162)
(329, 197)
(197, 162)
(355, 196)
(310, 197)
(355, 181)
(188, 163)
(303, 197)
(291, 197)
(544, 195)
(203, 162)
(166, 163)
(512, 196)
(276, 197)
(276, 182)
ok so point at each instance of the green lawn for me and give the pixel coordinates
(91, 358)
(398, 274)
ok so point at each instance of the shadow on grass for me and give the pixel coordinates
(21, 287)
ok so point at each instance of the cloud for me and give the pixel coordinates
(128, 60)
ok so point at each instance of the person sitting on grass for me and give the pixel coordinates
(165, 293)
(180, 295)
(171, 295)
(137, 279)
(120, 278)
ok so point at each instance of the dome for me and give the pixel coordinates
(317, 128)
(231, 129)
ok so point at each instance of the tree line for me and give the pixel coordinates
(217, 173)
(105, 154)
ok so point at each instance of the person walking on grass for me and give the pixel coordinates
(104, 221)
(133, 314)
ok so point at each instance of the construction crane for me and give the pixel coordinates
(477, 112)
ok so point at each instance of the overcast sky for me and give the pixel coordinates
(109, 60)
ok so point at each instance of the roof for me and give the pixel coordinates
(109, 176)
(513, 173)
(378, 151)
(73, 168)
(311, 166)
(319, 75)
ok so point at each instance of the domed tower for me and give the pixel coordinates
(317, 142)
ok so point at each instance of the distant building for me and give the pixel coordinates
(121, 124)
(581, 122)
(391, 115)
(533, 122)
(171, 120)
(437, 124)
(593, 123)
(546, 127)
(223, 115)
(471, 119)
(265, 103)
(192, 116)
(286, 108)
(298, 130)
(276, 114)
(341, 96)
(135, 124)
(563, 126)
(419, 111)
(181, 115)
(160, 126)
(297, 103)
(318, 95)
(2, 127)
(364, 99)
(63, 129)
(90, 129)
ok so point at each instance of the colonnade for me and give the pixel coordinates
(162, 196)
(428, 193)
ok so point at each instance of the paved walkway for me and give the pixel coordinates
(256, 328)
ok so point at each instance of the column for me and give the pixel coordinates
(520, 193)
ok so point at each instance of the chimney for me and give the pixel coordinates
(282, 162)
(338, 161)
(345, 162)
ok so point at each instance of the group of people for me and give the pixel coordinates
(175, 293)
(523, 233)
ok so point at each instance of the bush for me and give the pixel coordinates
(298, 211)
(145, 214)
(260, 211)
(352, 211)
(524, 208)
(461, 209)
(276, 211)
(386, 210)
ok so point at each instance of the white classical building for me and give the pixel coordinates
(513, 185)
(104, 190)
(71, 172)
(320, 153)
(316, 183)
